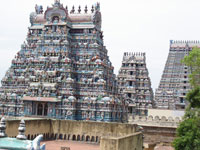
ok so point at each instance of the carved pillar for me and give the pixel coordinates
(43, 105)
(36, 109)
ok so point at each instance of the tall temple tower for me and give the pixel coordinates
(174, 83)
(63, 69)
(134, 83)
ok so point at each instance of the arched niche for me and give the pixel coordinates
(53, 13)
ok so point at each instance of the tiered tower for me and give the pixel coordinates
(134, 83)
(63, 69)
(174, 83)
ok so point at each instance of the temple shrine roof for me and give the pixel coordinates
(174, 44)
(39, 18)
(14, 144)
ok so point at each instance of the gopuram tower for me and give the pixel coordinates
(135, 84)
(174, 83)
(63, 69)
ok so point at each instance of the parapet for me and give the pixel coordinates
(128, 56)
(134, 54)
(184, 43)
(155, 121)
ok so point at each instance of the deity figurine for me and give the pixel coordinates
(93, 116)
(102, 115)
(55, 20)
(57, 1)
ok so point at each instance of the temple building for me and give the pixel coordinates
(135, 84)
(63, 69)
(174, 83)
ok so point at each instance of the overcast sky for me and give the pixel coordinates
(128, 26)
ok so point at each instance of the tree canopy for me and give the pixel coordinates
(193, 62)
(193, 97)
(188, 132)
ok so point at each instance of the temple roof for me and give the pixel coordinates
(14, 144)
(174, 44)
(81, 17)
(57, 10)
(40, 19)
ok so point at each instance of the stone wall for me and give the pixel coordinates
(162, 121)
(156, 135)
(80, 131)
(128, 142)
(34, 127)
(166, 112)
(96, 129)
(157, 129)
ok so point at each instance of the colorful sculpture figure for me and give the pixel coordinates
(35, 145)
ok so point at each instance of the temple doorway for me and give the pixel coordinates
(42, 109)
(45, 109)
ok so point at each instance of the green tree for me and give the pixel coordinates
(193, 97)
(193, 62)
(188, 132)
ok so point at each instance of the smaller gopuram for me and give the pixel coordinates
(134, 83)
(174, 83)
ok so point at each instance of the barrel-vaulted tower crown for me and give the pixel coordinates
(56, 13)
(60, 14)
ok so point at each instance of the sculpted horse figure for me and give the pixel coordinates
(35, 145)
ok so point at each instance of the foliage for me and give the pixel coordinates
(188, 132)
(194, 97)
(193, 62)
